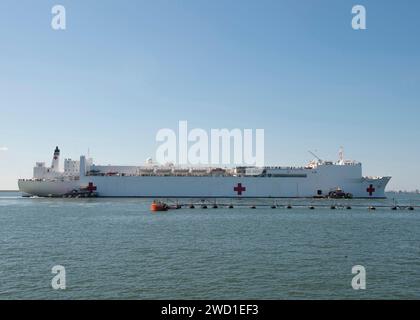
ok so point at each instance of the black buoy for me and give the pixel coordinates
(410, 208)
(311, 207)
(215, 206)
(192, 206)
(289, 206)
(333, 207)
(204, 206)
(230, 206)
(394, 208)
(253, 207)
(273, 206)
(348, 208)
(372, 208)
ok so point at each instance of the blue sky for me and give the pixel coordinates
(124, 69)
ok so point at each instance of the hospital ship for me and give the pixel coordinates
(317, 179)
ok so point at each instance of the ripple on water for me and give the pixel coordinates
(115, 248)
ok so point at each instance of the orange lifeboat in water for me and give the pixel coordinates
(158, 206)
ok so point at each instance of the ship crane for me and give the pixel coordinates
(318, 158)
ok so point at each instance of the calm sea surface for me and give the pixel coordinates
(118, 249)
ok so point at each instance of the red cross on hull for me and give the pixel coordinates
(91, 187)
(371, 190)
(239, 189)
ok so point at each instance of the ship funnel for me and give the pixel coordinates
(55, 165)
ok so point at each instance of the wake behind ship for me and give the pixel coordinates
(318, 179)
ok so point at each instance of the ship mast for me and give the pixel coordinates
(341, 156)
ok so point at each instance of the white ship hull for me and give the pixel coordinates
(208, 187)
(227, 187)
(47, 188)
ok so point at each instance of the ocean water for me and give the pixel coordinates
(118, 249)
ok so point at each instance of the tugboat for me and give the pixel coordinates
(339, 194)
(81, 193)
(158, 206)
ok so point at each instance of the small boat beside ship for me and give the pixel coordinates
(158, 206)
